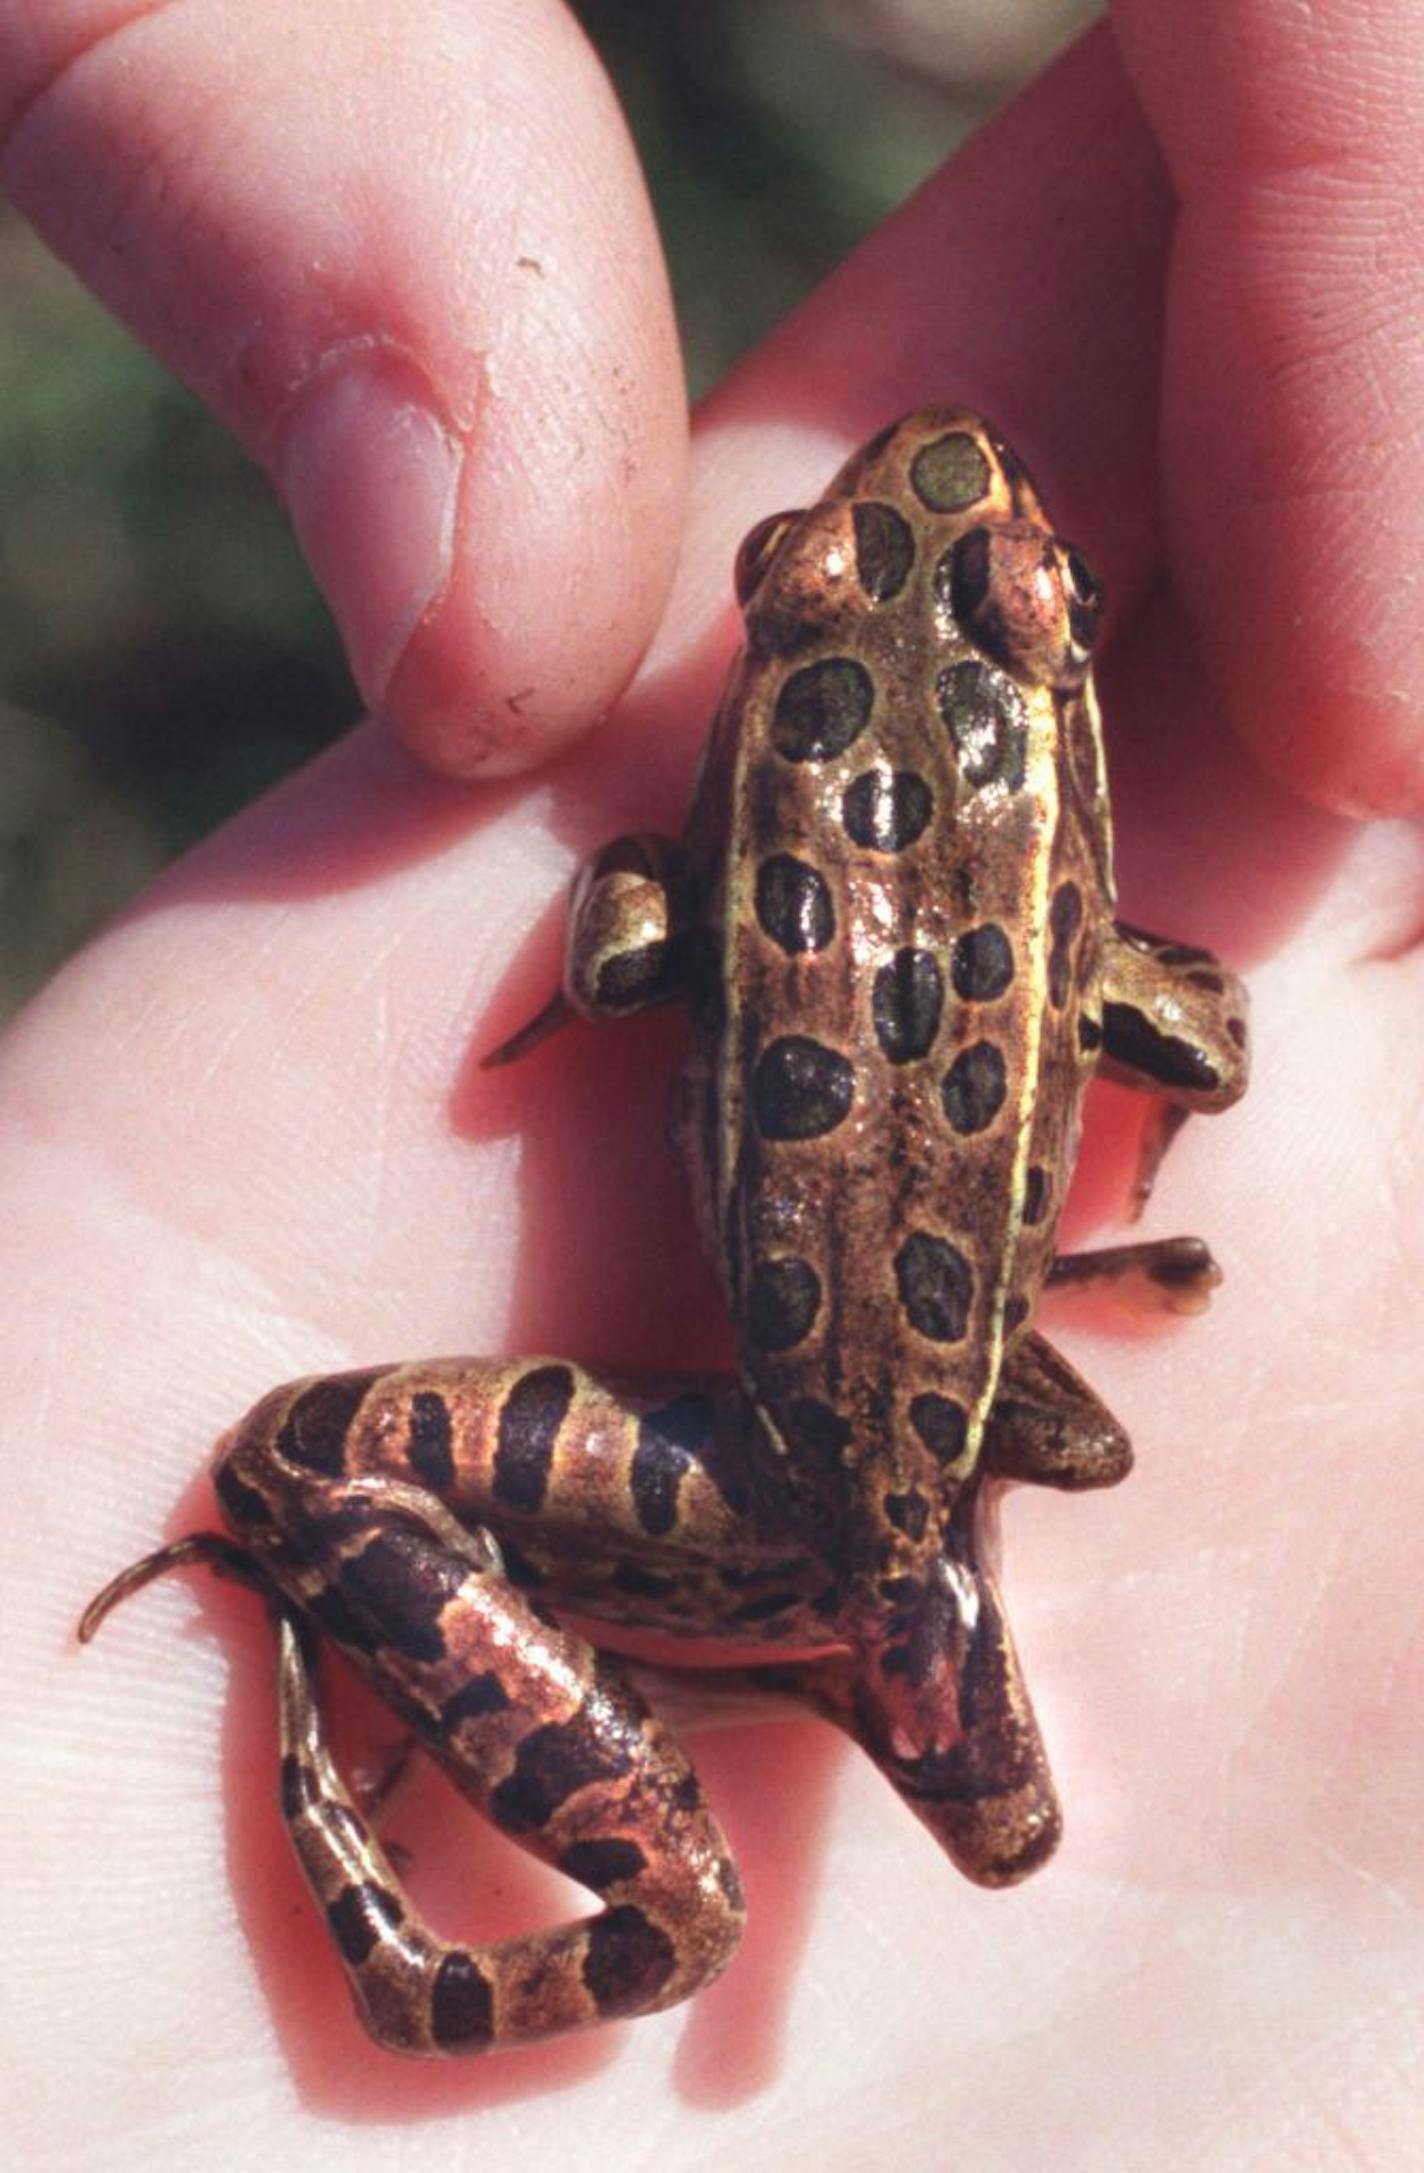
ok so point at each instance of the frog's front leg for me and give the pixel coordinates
(628, 940)
(1174, 1022)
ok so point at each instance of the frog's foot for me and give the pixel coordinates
(1174, 1022)
(1160, 1275)
(627, 941)
(1047, 1427)
(211, 1549)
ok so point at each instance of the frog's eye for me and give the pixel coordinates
(1026, 598)
(757, 552)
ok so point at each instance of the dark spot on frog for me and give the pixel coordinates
(950, 472)
(905, 1003)
(314, 1431)
(982, 963)
(552, 1764)
(793, 904)
(629, 1960)
(1090, 1033)
(821, 709)
(462, 2003)
(900, 1591)
(909, 1513)
(330, 1610)
(1236, 1030)
(1174, 954)
(782, 1303)
(1211, 982)
(1037, 1188)
(941, 1423)
(529, 1423)
(242, 1504)
(1015, 1314)
(428, 1445)
(801, 1089)
(630, 979)
(668, 1440)
(398, 1587)
(300, 1790)
(884, 550)
(884, 811)
(769, 1604)
(601, 1864)
(359, 1915)
(984, 713)
(1065, 915)
(936, 1285)
(476, 1699)
(645, 1584)
(518, 1568)
(974, 1087)
(1135, 1040)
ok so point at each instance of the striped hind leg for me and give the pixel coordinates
(563, 1755)
(541, 1732)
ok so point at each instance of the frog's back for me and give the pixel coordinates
(903, 970)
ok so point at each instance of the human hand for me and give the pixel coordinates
(235, 1152)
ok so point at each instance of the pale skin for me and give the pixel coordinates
(244, 1136)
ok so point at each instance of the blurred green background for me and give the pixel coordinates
(165, 655)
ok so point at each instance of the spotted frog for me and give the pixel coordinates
(891, 920)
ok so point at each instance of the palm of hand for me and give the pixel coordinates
(234, 1154)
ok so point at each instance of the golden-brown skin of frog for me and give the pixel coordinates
(903, 835)
(891, 917)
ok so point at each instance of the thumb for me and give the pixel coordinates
(405, 255)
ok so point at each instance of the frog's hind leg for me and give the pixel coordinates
(942, 1709)
(628, 941)
(540, 1732)
(566, 1758)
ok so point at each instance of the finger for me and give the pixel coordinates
(407, 257)
(1295, 371)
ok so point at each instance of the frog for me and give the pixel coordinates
(891, 919)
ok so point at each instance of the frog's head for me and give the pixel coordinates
(937, 504)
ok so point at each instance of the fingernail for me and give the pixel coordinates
(370, 477)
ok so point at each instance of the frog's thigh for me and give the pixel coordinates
(1174, 1021)
(1048, 1428)
(541, 1733)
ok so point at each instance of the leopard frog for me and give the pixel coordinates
(891, 919)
